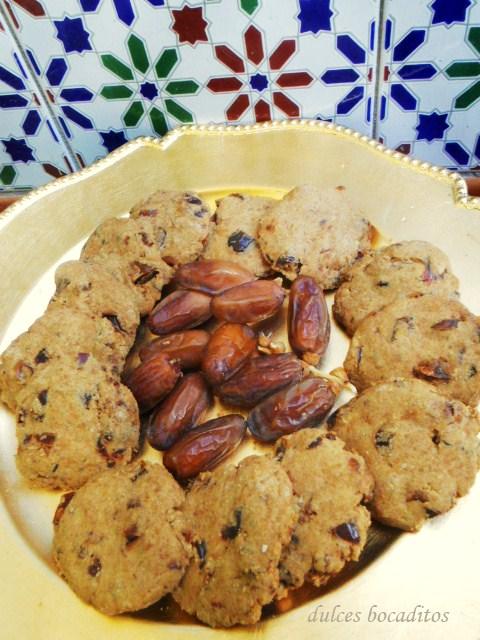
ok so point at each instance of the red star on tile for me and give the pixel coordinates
(190, 24)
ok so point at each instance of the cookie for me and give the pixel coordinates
(184, 219)
(235, 233)
(92, 289)
(331, 484)
(59, 333)
(314, 232)
(73, 423)
(377, 279)
(420, 447)
(140, 251)
(238, 519)
(117, 540)
(431, 338)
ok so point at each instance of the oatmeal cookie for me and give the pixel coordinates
(235, 233)
(92, 289)
(403, 268)
(117, 540)
(184, 220)
(60, 332)
(140, 251)
(314, 232)
(238, 519)
(331, 484)
(72, 423)
(420, 447)
(431, 338)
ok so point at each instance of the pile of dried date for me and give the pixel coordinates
(182, 369)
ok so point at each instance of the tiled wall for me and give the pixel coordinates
(80, 77)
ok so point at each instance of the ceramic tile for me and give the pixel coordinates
(116, 69)
(31, 152)
(430, 104)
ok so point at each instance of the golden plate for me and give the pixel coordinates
(435, 569)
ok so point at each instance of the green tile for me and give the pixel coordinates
(159, 122)
(7, 174)
(249, 6)
(133, 114)
(468, 97)
(166, 62)
(116, 92)
(468, 69)
(178, 112)
(474, 38)
(116, 66)
(138, 53)
(182, 87)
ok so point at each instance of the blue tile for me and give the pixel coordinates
(11, 79)
(32, 122)
(56, 71)
(432, 126)
(423, 71)
(315, 16)
(351, 49)
(340, 76)
(409, 44)
(403, 97)
(350, 101)
(72, 33)
(458, 153)
(450, 11)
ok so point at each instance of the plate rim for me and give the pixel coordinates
(460, 193)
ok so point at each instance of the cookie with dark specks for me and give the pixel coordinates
(91, 289)
(314, 232)
(421, 448)
(185, 221)
(430, 338)
(117, 540)
(72, 423)
(59, 333)
(331, 484)
(234, 237)
(136, 250)
(237, 519)
(377, 279)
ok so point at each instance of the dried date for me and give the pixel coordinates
(249, 302)
(308, 320)
(301, 405)
(179, 310)
(259, 378)
(186, 347)
(152, 380)
(212, 276)
(203, 448)
(179, 412)
(229, 348)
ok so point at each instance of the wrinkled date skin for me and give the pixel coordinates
(259, 378)
(152, 380)
(249, 302)
(229, 347)
(179, 412)
(186, 347)
(301, 405)
(212, 276)
(205, 447)
(308, 320)
(179, 310)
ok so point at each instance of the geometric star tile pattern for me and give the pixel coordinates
(431, 81)
(31, 152)
(79, 78)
